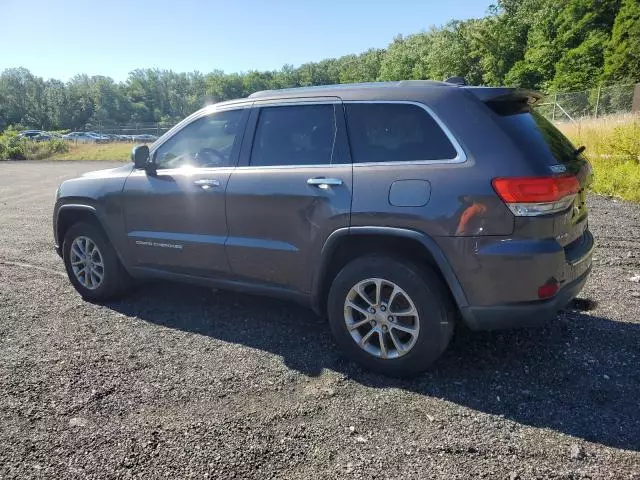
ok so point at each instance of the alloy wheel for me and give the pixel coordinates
(87, 262)
(381, 318)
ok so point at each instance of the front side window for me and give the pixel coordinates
(207, 142)
(295, 135)
(395, 132)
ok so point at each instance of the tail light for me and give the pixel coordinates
(548, 290)
(532, 196)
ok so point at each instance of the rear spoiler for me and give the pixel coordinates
(506, 101)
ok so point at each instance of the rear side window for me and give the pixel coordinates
(537, 136)
(295, 135)
(395, 132)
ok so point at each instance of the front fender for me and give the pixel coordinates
(98, 194)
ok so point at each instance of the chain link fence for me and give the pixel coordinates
(131, 132)
(156, 129)
(594, 103)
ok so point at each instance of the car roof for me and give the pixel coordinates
(421, 91)
(337, 90)
(373, 90)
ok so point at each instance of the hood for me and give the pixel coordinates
(110, 172)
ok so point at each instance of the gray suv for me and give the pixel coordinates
(395, 209)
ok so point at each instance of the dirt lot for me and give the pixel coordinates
(182, 382)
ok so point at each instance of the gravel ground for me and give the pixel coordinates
(182, 382)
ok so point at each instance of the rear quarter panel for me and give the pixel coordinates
(464, 215)
(462, 201)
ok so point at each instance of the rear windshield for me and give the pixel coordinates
(538, 136)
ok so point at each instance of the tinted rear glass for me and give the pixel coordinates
(395, 132)
(295, 135)
(538, 136)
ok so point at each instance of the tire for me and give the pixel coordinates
(114, 278)
(427, 296)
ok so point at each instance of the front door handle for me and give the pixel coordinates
(324, 182)
(206, 183)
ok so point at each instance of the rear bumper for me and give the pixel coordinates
(526, 314)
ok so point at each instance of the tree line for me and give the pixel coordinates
(549, 45)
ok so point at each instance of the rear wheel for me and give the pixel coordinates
(92, 264)
(389, 315)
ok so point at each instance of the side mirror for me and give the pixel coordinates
(140, 157)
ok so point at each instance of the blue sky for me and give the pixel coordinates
(63, 37)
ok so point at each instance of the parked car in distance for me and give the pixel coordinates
(37, 135)
(43, 137)
(100, 138)
(85, 137)
(113, 137)
(395, 209)
(30, 134)
(80, 137)
(146, 138)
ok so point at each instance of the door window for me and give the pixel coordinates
(295, 135)
(395, 132)
(206, 142)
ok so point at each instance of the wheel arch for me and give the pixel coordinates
(401, 242)
(69, 214)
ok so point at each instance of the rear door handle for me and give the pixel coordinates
(206, 183)
(324, 182)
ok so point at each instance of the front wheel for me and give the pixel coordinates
(92, 263)
(389, 315)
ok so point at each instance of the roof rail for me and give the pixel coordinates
(347, 86)
(260, 93)
(456, 81)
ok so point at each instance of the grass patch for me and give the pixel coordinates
(92, 151)
(613, 147)
(16, 148)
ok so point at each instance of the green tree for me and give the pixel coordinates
(501, 38)
(449, 51)
(622, 59)
(583, 28)
(360, 68)
(550, 45)
(399, 60)
(22, 99)
(581, 67)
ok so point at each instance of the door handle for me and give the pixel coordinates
(322, 182)
(206, 183)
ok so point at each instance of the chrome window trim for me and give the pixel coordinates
(460, 157)
(271, 167)
(186, 171)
